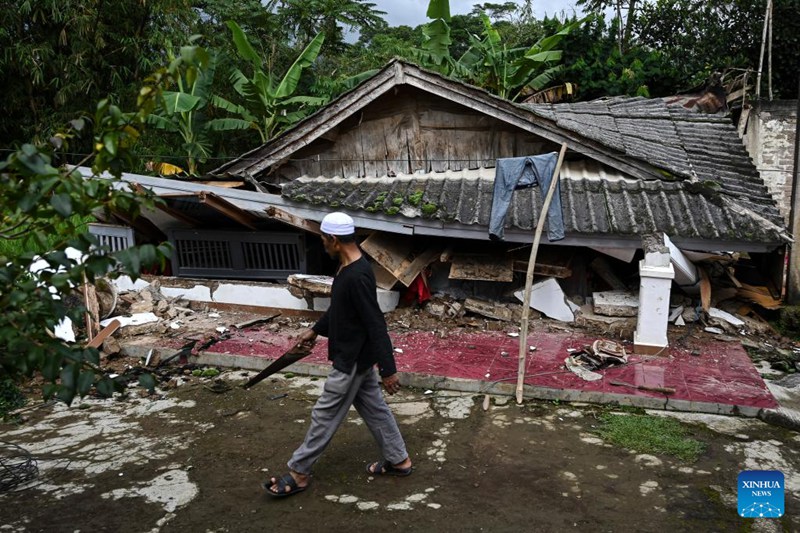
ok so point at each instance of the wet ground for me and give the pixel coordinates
(194, 461)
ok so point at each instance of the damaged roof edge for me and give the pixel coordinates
(257, 201)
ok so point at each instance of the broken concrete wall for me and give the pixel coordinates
(244, 293)
(770, 140)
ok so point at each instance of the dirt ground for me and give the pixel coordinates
(193, 460)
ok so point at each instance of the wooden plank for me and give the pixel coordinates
(225, 184)
(97, 341)
(383, 278)
(705, 288)
(178, 215)
(233, 212)
(293, 220)
(482, 267)
(401, 256)
(544, 270)
(759, 295)
(390, 252)
(420, 262)
(258, 320)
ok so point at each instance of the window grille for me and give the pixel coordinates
(115, 238)
(237, 254)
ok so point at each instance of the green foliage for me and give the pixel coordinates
(512, 73)
(698, 37)
(46, 207)
(269, 104)
(185, 111)
(508, 72)
(595, 64)
(11, 398)
(59, 54)
(308, 18)
(18, 246)
(650, 434)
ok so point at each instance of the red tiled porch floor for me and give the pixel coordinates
(721, 378)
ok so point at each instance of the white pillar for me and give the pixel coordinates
(655, 284)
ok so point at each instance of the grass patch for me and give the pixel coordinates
(650, 434)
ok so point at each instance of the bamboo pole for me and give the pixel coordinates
(526, 308)
(87, 314)
(769, 50)
(763, 45)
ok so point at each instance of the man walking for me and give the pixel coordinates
(357, 341)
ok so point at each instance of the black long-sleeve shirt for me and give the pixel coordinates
(354, 323)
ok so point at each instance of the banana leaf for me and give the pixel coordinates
(179, 102)
(228, 124)
(306, 58)
(243, 46)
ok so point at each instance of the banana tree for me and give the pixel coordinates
(268, 105)
(185, 110)
(511, 73)
(435, 51)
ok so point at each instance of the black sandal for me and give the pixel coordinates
(284, 481)
(385, 468)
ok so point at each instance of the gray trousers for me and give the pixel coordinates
(340, 392)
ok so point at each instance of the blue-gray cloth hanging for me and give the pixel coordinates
(513, 173)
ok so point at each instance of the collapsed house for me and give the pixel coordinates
(648, 190)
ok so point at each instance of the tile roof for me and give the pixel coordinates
(683, 143)
(690, 171)
(594, 202)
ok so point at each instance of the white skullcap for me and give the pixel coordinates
(338, 224)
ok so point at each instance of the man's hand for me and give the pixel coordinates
(391, 383)
(306, 340)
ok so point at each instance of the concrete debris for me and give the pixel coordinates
(445, 307)
(675, 314)
(616, 303)
(548, 298)
(578, 368)
(719, 314)
(497, 311)
(135, 319)
(686, 274)
(111, 346)
(690, 315)
(316, 285)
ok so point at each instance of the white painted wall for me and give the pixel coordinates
(246, 294)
